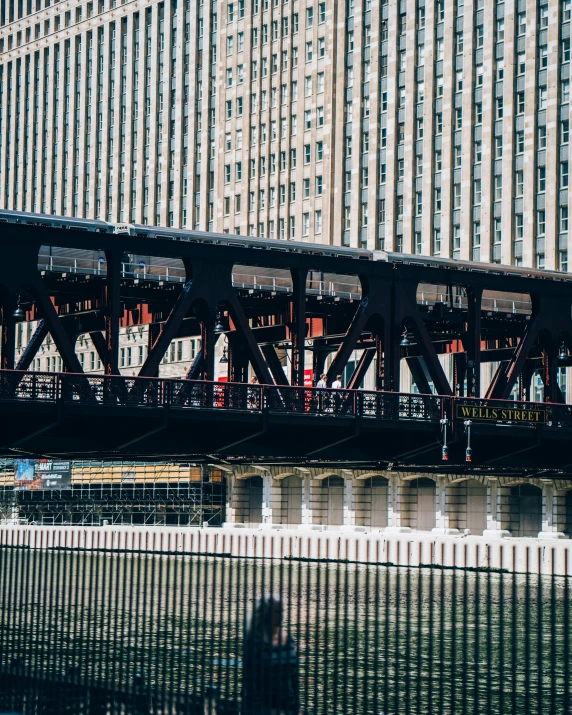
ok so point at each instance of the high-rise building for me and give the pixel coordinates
(425, 126)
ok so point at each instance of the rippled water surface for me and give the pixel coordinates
(371, 639)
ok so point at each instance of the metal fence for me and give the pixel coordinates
(103, 631)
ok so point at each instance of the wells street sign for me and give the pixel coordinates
(481, 413)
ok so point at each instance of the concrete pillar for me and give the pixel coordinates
(306, 501)
(441, 516)
(498, 510)
(396, 518)
(230, 500)
(267, 498)
(349, 505)
(351, 488)
(553, 515)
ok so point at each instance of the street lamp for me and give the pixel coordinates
(404, 339)
(562, 358)
(19, 315)
(219, 327)
(224, 358)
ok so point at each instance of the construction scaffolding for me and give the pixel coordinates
(126, 493)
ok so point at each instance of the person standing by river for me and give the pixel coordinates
(270, 664)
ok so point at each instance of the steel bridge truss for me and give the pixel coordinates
(259, 320)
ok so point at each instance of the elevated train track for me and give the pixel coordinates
(271, 297)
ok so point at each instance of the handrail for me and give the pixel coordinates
(121, 391)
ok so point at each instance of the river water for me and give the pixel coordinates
(371, 639)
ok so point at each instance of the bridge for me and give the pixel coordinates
(144, 418)
(274, 302)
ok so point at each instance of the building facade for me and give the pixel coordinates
(436, 127)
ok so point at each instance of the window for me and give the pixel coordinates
(500, 108)
(318, 222)
(521, 23)
(479, 113)
(226, 205)
(477, 187)
(520, 102)
(498, 187)
(541, 178)
(307, 154)
(320, 116)
(542, 94)
(457, 157)
(497, 231)
(306, 188)
(229, 44)
(240, 38)
(498, 147)
(238, 172)
(438, 123)
(500, 30)
(321, 12)
(319, 150)
(309, 52)
(564, 131)
(228, 141)
(566, 10)
(437, 241)
(229, 77)
(542, 137)
(229, 109)
(239, 138)
(478, 151)
(321, 47)
(479, 36)
(437, 199)
(309, 17)
(320, 78)
(540, 222)
(519, 227)
(292, 191)
(565, 91)
(319, 185)
(418, 203)
(521, 63)
(563, 218)
(519, 142)
(438, 160)
(566, 50)
(305, 224)
(227, 173)
(564, 175)
(543, 16)
(519, 183)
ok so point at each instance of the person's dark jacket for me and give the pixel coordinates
(270, 677)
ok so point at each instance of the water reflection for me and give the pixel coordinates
(371, 639)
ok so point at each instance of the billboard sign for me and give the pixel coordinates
(42, 474)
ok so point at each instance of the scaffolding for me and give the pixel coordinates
(122, 493)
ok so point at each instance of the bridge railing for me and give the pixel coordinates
(118, 390)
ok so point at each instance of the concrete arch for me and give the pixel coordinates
(246, 472)
(416, 477)
(458, 478)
